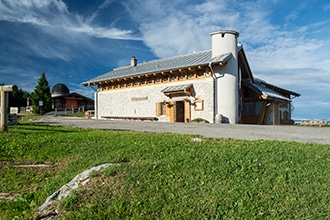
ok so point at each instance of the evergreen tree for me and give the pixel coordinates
(42, 94)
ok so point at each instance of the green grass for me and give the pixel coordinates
(163, 176)
(76, 114)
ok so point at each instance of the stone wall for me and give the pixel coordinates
(141, 101)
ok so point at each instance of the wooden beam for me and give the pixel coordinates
(264, 96)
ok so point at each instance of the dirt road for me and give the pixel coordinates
(245, 132)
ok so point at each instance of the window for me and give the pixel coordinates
(252, 108)
(199, 105)
(161, 108)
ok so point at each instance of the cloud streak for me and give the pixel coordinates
(55, 16)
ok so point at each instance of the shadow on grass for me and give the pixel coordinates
(42, 127)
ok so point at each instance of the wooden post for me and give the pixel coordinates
(4, 105)
(3, 114)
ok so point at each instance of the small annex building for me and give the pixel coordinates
(216, 85)
(62, 99)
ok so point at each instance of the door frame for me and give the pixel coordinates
(186, 113)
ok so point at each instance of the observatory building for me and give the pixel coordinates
(64, 100)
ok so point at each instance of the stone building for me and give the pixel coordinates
(216, 85)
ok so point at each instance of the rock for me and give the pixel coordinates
(65, 190)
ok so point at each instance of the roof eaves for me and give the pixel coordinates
(265, 92)
(163, 65)
(276, 88)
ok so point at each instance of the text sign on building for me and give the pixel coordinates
(135, 99)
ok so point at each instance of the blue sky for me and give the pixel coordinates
(286, 42)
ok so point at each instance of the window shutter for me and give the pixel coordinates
(166, 110)
(158, 108)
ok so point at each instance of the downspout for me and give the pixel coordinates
(215, 100)
(215, 92)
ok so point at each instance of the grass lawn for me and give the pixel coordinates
(162, 176)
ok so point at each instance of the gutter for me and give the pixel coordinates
(215, 100)
(215, 88)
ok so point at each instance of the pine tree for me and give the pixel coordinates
(42, 95)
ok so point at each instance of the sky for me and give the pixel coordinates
(286, 42)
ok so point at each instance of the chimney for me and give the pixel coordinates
(224, 42)
(133, 61)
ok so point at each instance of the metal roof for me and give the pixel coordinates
(268, 93)
(183, 87)
(275, 88)
(162, 65)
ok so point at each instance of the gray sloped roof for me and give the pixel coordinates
(162, 65)
(267, 92)
(270, 93)
(276, 88)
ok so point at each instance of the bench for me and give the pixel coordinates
(131, 118)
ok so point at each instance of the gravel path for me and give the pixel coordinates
(245, 132)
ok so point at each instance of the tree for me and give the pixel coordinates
(18, 98)
(41, 97)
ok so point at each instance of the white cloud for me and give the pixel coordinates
(169, 31)
(55, 15)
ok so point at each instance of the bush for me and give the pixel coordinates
(199, 120)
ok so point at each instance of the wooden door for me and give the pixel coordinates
(179, 111)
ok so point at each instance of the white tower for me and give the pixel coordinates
(226, 81)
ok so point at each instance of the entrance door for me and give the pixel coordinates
(179, 111)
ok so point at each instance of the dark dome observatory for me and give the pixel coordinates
(60, 90)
